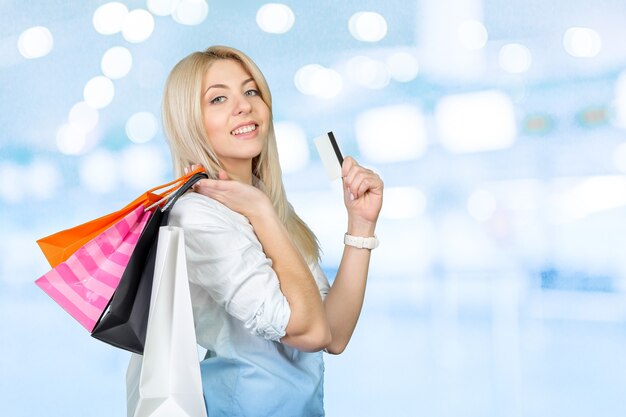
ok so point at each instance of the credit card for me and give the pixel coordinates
(330, 154)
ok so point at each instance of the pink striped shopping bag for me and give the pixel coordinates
(84, 284)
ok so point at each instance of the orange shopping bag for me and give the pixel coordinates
(59, 246)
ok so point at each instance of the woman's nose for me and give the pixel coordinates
(243, 105)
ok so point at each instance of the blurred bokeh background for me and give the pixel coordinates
(499, 288)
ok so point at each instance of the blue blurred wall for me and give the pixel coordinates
(498, 126)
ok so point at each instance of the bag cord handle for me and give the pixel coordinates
(177, 182)
(183, 189)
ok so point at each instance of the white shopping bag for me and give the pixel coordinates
(166, 380)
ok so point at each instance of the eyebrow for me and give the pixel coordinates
(225, 86)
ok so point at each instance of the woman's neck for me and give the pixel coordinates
(241, 172)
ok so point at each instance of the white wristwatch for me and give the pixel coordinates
(361, 242)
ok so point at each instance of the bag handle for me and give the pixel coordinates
(176, 183)
(180, 182)
(183, 189)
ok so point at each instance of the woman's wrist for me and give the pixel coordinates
(262, 211)
(359, 227)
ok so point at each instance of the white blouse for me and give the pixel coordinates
(240, 316)
(229, 274)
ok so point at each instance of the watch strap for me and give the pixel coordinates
(361, 242)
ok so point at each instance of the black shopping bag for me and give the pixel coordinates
(123, 324)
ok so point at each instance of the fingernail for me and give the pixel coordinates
(351, 196)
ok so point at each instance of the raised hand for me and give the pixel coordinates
(363, 193)
(240, 197)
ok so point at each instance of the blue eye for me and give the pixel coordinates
(219, 99)
(252, 92)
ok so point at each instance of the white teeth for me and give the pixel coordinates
(244, 129)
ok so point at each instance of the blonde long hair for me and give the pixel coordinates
(189, 144)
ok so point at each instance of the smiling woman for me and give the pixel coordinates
(236, 118)
(263, 308)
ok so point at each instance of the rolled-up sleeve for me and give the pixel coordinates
(228, 262)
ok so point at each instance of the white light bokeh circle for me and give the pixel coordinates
(83, 116)
(403, 203)
(581, 42)
(99, 92)
(588, 195)
(515, 58)
(98, 172)
(190, 12)
(162, 7)
(35, 42)
(368, 72)
(318, 81)
(141, 127)
(292, 146)
(275, 18)
(472, 34)
(391, 133)
(138, 26)
(481, 205)
(304, 75)
(367, 26)
(402, 66)
(476, 122)
(70, 139)
(109, 18)
(116, 62)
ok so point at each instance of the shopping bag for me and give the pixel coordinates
(59, 246)
(166, 380)
(84, 283)
(125, 320)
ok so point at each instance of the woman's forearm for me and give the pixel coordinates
(345, 299)
(308, 328)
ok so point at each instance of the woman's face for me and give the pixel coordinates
(236, 119)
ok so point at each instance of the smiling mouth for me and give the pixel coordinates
(244, 129)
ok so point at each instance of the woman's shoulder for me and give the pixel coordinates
(194, 208)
